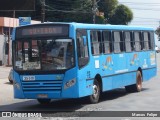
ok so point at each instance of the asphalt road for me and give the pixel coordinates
(117, 100)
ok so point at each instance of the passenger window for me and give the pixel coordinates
(151, 40)
(83, 56)
(127, 37)
(106, 42)
(146, 40)
(95, 42)
(118, 42)
(137, 40)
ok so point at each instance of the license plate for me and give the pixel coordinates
(28, 78)
(42, 96)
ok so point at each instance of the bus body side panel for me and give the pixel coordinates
(103, 65)
(148, 64)
(18, 91)
(119, 67)
(149, 73)
(121, 74)
(119, 80)
(70, 77)
(134, 61)
(129, 78)
(85, 80)
(107, 83)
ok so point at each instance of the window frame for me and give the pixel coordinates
(135, 41)
(121, 41)
(144, 40)
(151, 40)
(78, 47)
(98, 41)
(110, 42)
(130, 41)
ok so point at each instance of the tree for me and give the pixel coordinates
(122, 15)
(114, 13)
(78, 11)
(69, 10)
(158, 33)
(107, 6)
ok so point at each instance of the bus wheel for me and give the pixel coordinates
(94, 98)
(138, 85)
(135, 87)
(44, 101)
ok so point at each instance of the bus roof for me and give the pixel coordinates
(100, 26)
(109, 26)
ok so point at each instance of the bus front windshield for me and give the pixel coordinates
(46, 55)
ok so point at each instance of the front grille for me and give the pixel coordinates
(42, 85)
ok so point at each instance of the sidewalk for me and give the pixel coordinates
(4, 71)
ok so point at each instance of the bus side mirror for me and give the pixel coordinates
(84, 40)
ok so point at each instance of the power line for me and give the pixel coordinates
(146, 9)
(43, 10)
(77, 10)
(67, 11)
(146, 24)
(143, 7)
(147, 5)
(147, 18)
(145, 21)
(136, 3)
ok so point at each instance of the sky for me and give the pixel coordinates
(145, 13)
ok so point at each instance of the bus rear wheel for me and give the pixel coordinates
(94, 98)
(44, 101)
(135, 87)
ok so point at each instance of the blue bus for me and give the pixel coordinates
(73, 60)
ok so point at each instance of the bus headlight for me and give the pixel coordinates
(70, 83)
(16, 85)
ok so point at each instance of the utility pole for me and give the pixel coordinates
(94, 10)
(42, 11)
(158, 32)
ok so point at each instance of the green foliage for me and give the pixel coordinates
(69, 10)
(157, 31)
(121, 15)
(78, 11)
(100, 20)
(114, 13)
(107, 6)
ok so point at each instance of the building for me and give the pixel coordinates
(6, 26)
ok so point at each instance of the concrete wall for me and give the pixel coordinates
(2, 39)
(4, 57)
(6, 22)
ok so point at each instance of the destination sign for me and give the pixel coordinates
(42, 30)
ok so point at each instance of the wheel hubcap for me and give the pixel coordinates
(95, 91)
(139, 82)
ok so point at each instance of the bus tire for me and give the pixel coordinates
(44, 101)
(94, 98)
(135, 87)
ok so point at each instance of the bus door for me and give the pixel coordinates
(83, 59)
